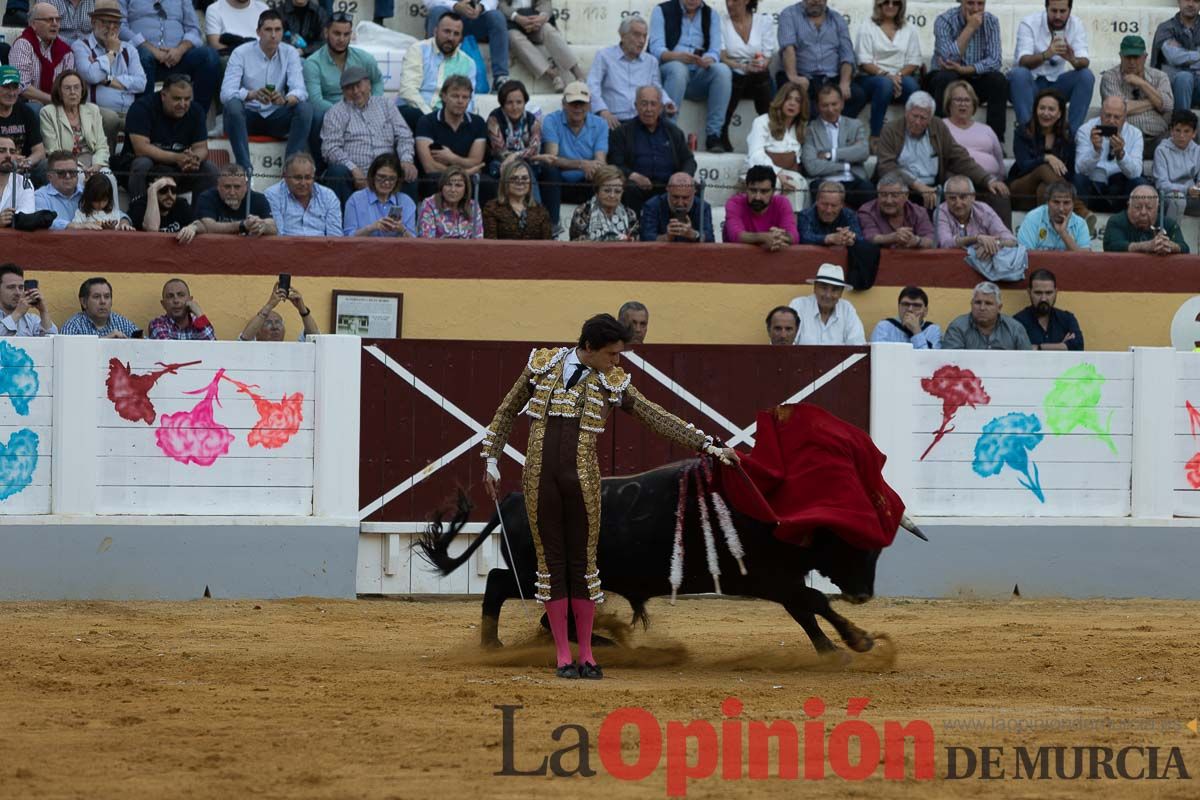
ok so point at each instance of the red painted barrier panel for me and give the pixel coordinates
(424, 404)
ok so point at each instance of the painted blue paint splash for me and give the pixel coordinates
(18, 378)
(1007, 441)
(18, 460)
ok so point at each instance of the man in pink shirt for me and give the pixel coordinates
(760, 216)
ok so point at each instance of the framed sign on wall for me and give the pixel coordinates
(376, 315)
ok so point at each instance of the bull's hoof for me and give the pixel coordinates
(489, 633)
(491, 644)
(860, 642)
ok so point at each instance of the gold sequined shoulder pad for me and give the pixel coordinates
(543, 359)
(615, 380)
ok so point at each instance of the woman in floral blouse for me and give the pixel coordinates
(603, 218)
(451, 213)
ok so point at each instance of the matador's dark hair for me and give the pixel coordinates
(602, 330)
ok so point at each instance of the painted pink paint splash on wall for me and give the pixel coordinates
(195, 437)
(277, 422)
(956, 387)
(1192, 468)
(130, 393)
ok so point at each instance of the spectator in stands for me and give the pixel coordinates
(1176, 51)
(574, 147)
(429, 64)
(679, 215)
(829, 223)
(909, 326)
(985, 328)
(537, 44)
(967, 47)
(776, 140)
(380, 208)
(816, 49)
(112, 68)
(636, 317)
(892, 220)
(300, 206)
(162, 210)
(232, 208)
(267, 325)
(184, 321)
(515, 212)
(1052, 52)
(1136, 229)
(1044, 153)
(40, 55)
(823, 316)
(481, 19)
(685, 37)
(749, 40)
(649, 150)
(358, 130)
(1108, 158)
(96, 317)
(167, 36)
(75, 22)
(1054, 226)
(15, 303)
(229, 24)
(16, 13)
(977, 139)
(98, 209)
(514, 133)
(17, 194)
(1177, 167)
(168, 129)
(304, 24)
(961, 222)
(759, 215)
(1048, 328)
(836, 148)
(263, 92)
(618, 72)
(451, 135)
(1149, 99)
(323, 73)
(20, 124)
(70, 123)
(451, 212)
(62, 194)
(782, 324)
(889, 59)
(603, 218)
(922, 148)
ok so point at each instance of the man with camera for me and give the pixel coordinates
(1108, 158)
(17, 297)
(678, 215)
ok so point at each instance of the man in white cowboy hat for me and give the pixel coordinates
(825, 318)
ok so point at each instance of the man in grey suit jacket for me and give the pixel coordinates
(836, 149)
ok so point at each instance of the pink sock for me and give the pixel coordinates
(556, 610)
(585, 612)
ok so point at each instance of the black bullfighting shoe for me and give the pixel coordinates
(591, 672)
(567, 671)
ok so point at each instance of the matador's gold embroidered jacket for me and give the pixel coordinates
(541, 392)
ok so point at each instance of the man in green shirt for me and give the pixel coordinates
(323, 74)
(1136, 229)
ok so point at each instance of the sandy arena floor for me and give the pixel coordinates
(378, 698)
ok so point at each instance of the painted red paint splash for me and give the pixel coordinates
(195, 437)
(1192, 468)
(277, 422)
(956, 387)
(130, 393)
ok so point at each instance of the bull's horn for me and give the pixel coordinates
(911, 527)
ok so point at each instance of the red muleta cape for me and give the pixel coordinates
(813, 470)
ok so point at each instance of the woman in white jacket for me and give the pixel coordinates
(75, 126)
(889, 56)
(776, 139)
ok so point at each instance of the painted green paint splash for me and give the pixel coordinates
(1072, 404)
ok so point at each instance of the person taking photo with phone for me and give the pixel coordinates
(268, 326)
(679, 215)
(1108, 158)
(19, 296)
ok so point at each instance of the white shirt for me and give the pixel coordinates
(25, 200)
(843, 327)
(760, 142)
(221, 17)
(488, 5)
(1098, 166)
(763, 39)
(569, 367)
(872, 46)
(1033, 36)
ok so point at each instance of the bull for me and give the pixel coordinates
(634, 556)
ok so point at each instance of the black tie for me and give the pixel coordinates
(574, 379)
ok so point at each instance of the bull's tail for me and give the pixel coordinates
(434, 544)
(639, 612)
